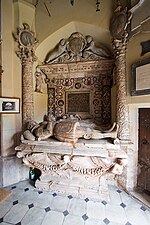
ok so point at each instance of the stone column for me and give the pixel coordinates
(27, 90)
(118, 29)
(121, 93)
(27, 41)
(1, 70)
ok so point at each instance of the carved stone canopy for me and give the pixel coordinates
(77, 48)
(78, 74)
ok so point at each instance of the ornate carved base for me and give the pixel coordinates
(79, 185)
(84, 170)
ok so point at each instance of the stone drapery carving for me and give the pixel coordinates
(26, 43)
(85, 165)
(80, 171)
(77, 48)
(118, 29)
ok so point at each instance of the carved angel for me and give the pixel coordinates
(97, 50)
(56, 52)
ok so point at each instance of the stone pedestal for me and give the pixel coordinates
(84, 170)
(12, 171)
(75, 184)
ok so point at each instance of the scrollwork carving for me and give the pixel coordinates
(26, 43)
(77, 48)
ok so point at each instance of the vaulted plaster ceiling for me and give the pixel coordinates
(56, 19)
(45, 5)
(136, 6)
(42, 3)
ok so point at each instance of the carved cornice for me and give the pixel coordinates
(55, 70)
(143, 27)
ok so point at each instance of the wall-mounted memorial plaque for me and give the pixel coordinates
(145, 47)
(9, 105)
(141, 78)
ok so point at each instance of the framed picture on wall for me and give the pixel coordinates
(141, 78)
(9, 105)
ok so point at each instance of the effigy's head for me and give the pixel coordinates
(31, 125)
(50, 117)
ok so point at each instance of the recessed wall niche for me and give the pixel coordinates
(79, 79)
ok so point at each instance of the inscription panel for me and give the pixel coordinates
(78, 103)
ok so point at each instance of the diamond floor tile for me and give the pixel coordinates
(28, 206)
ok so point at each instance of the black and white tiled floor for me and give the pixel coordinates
(28, 206)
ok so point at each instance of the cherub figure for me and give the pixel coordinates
(56, 52)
